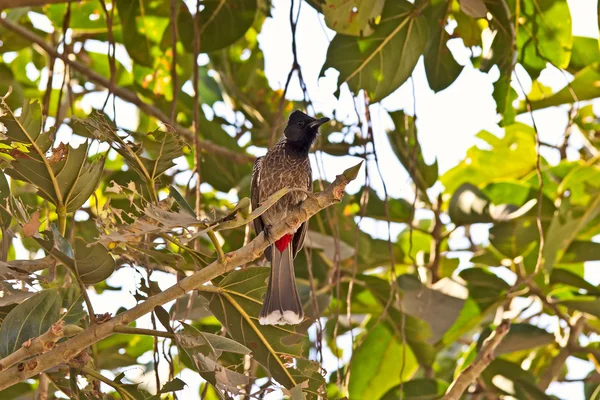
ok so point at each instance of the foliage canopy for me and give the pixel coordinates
(416, 314)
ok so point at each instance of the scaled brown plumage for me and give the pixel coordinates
(286, 165)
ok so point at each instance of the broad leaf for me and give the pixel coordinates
(5, 217)
(204, 349)
(91, 263)
(440, 66)
(544, 35)
(404, 142)
(29, 319)
(379, 364)
(515, 151)
(583, 86)
(354, 18)
(469, 205)
(67, 177)
(237, 303)
(221, 23)
(418, 389)
(383, 61)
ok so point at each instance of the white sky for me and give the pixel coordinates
(447, 124)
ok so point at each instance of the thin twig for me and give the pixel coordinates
(215, 241)
(483, 359)
(94, 333)
(174, 76)
(131, 97)
(553, 370)
(40, 344)
(139, 331)
(197, 154)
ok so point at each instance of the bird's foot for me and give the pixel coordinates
(267, 233)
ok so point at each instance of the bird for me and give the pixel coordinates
(286, 165)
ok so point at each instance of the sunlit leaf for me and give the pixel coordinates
(383, 61)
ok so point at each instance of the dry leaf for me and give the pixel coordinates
(32, 227)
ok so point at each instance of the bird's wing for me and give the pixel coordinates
(300, 235)
(254, 194)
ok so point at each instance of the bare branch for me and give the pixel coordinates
(32, 3)
(552, 371)
(483, 359)
(126, 95)
(40, 344)
(70, 348)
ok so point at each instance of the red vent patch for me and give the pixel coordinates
(283, 243)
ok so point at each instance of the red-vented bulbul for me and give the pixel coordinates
(286, 165)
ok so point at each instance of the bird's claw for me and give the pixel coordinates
(267, 233)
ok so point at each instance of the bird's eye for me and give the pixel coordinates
(301, 123)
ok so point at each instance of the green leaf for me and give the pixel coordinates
(418, 389)
(440, 66)
(545, 34)
(135, 34)
(204, 349)
(583, 86)
(586, 304)
(518, 383)
(221, 23)
(180, 200)
(505, 95)
(435, 307)
(379, 364)
(29, 319)
(382, 62)
(192, 340)
(150, 158)
(353, 17)
(566, 277)
(404, 142)
(515, 238)
(502, 48)
(66, 178)
(92, 264)
(581, 251)
(473, 8)
(515, 152)
(173, 386)
(585, 51)
(520, 337)
(237, 303)
(469, 205)
(399, 210)
(5, 217)
(567, 222)
(484, 278)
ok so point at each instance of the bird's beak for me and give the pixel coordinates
(317, 123)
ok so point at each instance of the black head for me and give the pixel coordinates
(301, 130)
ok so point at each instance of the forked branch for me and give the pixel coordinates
(483, 359)
(65, 351)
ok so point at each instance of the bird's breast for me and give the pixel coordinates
(278, 171)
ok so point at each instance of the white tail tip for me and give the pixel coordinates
(276, 318)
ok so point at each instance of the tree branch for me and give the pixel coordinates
(483, 359)
(40, 344)
(32, 3)
(131, 97)
(70, 348)
(552, 371)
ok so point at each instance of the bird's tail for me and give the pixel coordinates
(282, 304)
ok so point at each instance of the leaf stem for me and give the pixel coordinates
(61, 211)
(97, 375)
(218, 248)
(140, 331)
